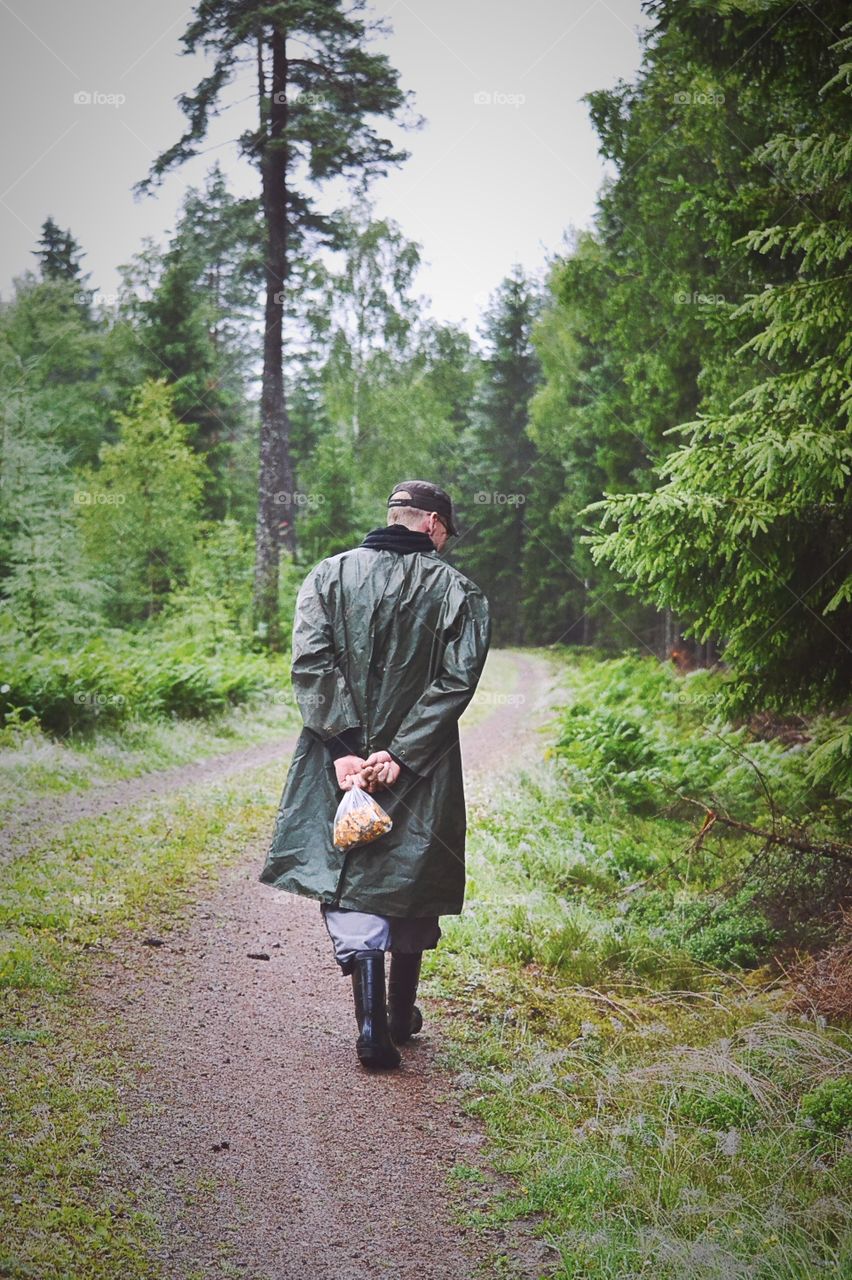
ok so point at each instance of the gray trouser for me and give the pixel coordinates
(352, 931)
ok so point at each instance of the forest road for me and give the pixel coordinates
(265, 1149)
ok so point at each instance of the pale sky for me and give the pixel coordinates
(505, 165)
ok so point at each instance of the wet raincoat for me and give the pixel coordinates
(392, 646)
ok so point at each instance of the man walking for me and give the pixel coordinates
(389, 642)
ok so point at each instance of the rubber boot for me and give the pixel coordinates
(374, 1045)
(403, 1015)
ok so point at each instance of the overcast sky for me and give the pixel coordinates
(504, 166)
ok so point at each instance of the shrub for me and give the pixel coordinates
(826, 1113)
(123, 675)
(725, 1109)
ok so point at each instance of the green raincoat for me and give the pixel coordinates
(392, 645)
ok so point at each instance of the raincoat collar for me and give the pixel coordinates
(395, 537)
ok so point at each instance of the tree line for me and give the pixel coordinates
(649, 447)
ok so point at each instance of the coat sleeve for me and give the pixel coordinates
(319, 683)
(426, 733)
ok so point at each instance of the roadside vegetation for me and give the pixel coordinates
(637, 1013)
(648, 1016)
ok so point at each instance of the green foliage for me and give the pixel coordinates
(736, 934)
(58, 254)
(721, 1110)
(826, 1113)
(496, 455)
(591, 869)
(747, 531)
(192, 325)
(140, 508)
(377, 395)
(122, 675)
(45, 581)
(647, 761)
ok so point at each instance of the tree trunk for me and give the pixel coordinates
(672, 632)
(275, 504)
(587, 635)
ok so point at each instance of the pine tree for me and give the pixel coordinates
(317, 87)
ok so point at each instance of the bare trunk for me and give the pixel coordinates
(586, 635)
(275, 505)
(670, 631)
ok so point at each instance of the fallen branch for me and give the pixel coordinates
(822, 848)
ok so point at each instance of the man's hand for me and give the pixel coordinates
(348, 770)
(381, 769)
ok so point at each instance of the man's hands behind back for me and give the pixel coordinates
(377, 771)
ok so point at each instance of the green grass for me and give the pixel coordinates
(107, 877)
(651, 1105)
(34, 763)
(652, 1135)
(616, 1016)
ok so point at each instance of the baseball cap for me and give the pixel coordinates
(425, 497)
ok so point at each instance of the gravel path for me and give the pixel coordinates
(48, 813)
(269, 1152)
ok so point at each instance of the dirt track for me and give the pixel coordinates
(271, 1154)
(32, 821)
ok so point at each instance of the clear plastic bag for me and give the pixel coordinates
(359, 820)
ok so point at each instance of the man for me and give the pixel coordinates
(389, 642)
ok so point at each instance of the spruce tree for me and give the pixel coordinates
(499, 455)
(750, 531)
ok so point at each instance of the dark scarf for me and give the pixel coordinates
(395, 537)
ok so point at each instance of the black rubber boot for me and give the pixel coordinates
(374, 1045)
(403, 1015)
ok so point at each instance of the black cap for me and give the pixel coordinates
(425, 497)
